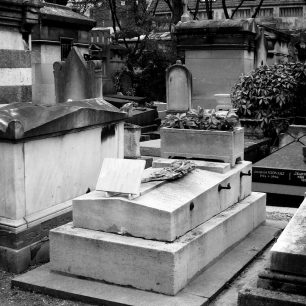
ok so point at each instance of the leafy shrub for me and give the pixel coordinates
(202, 119)
(271, 92)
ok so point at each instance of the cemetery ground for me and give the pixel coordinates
(228, 297)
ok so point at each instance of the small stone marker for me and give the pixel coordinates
(178, 86)
(121, 176)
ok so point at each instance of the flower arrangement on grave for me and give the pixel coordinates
(176, 170)
(203, 119)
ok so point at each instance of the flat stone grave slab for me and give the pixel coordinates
(153, 265)
(198, 292)
(164, 210)
(288, 255)
(283, 172)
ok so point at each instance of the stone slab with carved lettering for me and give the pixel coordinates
(282, 172)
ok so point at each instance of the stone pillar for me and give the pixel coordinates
(216, 53)
(16, 21)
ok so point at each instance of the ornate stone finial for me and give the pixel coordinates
(186, 16)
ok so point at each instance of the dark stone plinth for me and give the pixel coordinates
(263, 297)
(143, 116)
(288, 283)
(24, 120)
(256, 149)
(285, 166)
(20, 250)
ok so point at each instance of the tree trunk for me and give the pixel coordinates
(177, 13)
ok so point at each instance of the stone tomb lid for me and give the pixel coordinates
(285, 166)
(23, 120)
(225, 25)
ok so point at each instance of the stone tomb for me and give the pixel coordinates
(284, 280)
(283, 172)
(48, 156)
(186, 224)
(171, 216)
(178, 87)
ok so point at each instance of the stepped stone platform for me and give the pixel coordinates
(284, 280)
(162, 239)
(200, 291)
(153, 265)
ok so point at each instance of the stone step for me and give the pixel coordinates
(200, 291)
(165, 210)
(249, 296)
(153, 265)
(288, 255)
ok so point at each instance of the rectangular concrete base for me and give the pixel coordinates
(199, 292)
(153, 265)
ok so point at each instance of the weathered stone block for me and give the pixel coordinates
(147, 264)
(227, 146)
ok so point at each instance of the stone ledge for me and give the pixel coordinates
(288, 255)
(263, 297)
(198, 292)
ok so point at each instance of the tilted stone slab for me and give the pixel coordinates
(288, 255)
(164, 211)
(153, 265)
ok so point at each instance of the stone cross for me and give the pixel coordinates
(186, 16)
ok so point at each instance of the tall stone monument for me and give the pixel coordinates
(216, 52)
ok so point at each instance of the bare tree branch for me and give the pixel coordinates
(257, 9)
(237, 8)
(226, 15)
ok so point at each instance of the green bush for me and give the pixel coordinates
(271, 92)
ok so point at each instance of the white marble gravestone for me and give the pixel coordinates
(178, 86)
